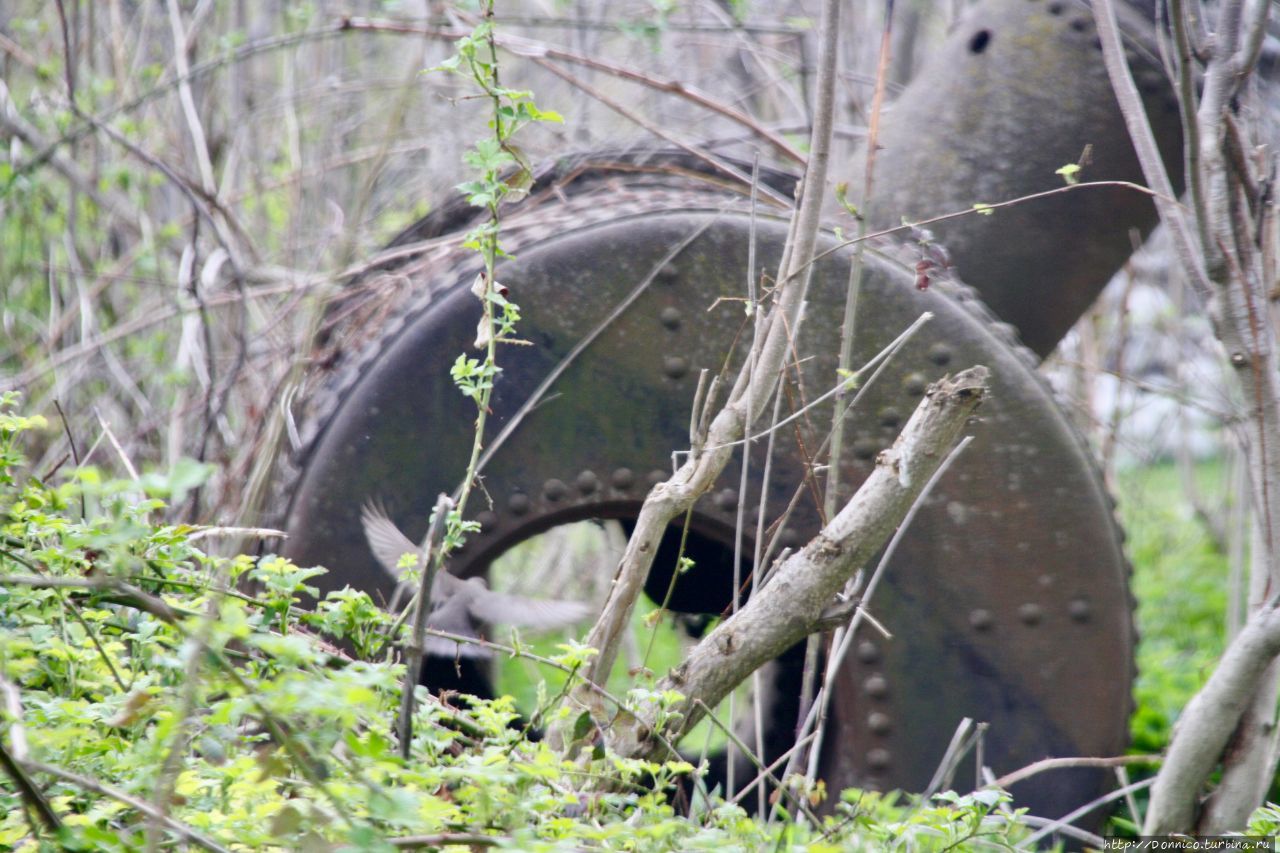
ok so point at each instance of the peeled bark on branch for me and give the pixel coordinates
(792, 605)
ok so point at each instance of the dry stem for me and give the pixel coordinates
(793, 603)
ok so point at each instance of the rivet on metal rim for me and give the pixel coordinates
(981, 620)
(587, 482)
(1080, 610)
(726, 499)
(877, 686)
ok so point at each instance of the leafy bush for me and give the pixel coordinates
(146, 695)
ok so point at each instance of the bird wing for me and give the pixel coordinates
(538, 613)
(388, 544)
(386, 541)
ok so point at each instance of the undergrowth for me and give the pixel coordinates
(148, 698)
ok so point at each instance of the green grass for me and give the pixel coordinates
(1180, 583)
(520, 677)
(656, 643)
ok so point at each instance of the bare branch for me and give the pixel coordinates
(1044, 764)
(182, 830)
(790, 607)
(1144, 143)
(1208, 721)
(669, 500)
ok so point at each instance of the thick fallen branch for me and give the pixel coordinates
(792, 605)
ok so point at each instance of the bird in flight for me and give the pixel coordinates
(461, 606)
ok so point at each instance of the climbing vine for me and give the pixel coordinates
(501, 174)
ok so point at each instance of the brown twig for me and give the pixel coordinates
(631, 115)
(669, 500)
(537, 51)
(1046, 764)
(182, 830)
(75, 452)
(12, 756)
(447, 839)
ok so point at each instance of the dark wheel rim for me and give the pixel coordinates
(1007, 601)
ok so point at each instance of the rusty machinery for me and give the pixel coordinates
(1008, 601)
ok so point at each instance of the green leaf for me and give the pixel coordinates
(582, 726)
(185, 475)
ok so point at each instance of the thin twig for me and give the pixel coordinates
(75, 453)
(1167, 197)
(183, 831)
(717, 163)
(961, 742)
(11, 758)
(765, 772)
(1071, 817)
(1037, 767)
(448, 839)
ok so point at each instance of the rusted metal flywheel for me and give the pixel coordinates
(1008, 601)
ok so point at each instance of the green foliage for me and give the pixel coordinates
(1180, 582)
(977, 821)
(137, 664)
(502, 174)
(473, 377)
(146, 681)
(1070, 173)
(1265, 821)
